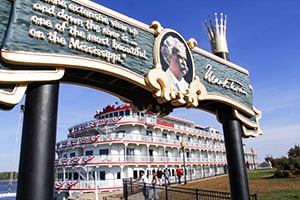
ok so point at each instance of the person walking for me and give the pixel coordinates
(167, 175)
(179, 173)
(155, 185)
(159, 176)
(146, 185)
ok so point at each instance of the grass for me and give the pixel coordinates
(260, 174)
(261, 182)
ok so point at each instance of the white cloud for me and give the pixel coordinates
(276, 140)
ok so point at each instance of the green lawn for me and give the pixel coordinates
(261, 182)
(269, 188)
(257, 174)
(280, 195)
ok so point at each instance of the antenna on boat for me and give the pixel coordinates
(11, 177)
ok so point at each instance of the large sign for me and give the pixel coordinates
(81, 42)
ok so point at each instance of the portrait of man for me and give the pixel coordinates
(176, 61)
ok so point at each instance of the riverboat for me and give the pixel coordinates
(119, 143)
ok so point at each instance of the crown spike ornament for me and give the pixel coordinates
(216, 33)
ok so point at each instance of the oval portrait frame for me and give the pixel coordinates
(161, 56)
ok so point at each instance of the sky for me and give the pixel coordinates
(262, 36)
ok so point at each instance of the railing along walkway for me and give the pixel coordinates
(167, 192)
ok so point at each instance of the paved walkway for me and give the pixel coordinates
(137, 196)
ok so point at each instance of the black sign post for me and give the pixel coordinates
(231, 126)
(235, 154)
(36, 168)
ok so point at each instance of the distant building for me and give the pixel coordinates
(119, 143)
(265, 165)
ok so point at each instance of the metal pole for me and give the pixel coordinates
(185, 174)
(234, 151)
(166, 191)
(125, 189)
(232, 131)
(96, 186)
(254, 167)
(235, 155)
(182, 144)
(36, 169)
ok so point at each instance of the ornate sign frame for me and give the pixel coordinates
(161, 80)
(81, 42)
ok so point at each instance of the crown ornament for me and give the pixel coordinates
(216, 33)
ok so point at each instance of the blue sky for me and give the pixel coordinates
(263, 37)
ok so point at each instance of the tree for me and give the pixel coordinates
(287, 166)
(294, 152)
(6, 175)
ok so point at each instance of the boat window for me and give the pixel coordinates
(75, 176)
(149, 133)
(102, 175)
(187, 154)
(89, 153)
(135, 174)
(72, 154)
(127, 112)
(121, 131)
(121, 113)
(118, 175)
(115, 114)
(103, 152)
(60, 176)
(69, 176)
(130, 151)
(151, 152)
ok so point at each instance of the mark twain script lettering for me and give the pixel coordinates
(226, 83)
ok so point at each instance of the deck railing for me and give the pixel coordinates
(117, 159)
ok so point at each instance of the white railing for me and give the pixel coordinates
(94, 140)
(108, 159)
(88, 185)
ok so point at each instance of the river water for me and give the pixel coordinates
(4, 189)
